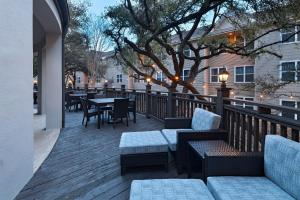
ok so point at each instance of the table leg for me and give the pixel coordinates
(99, 117)
(134, 116)
(189, 163)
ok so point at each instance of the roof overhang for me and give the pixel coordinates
(63, 10)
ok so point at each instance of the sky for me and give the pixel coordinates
(98, 6)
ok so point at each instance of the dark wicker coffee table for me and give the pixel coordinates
(197, 151)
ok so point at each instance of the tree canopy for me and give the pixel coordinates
(150, 28)
(76, 41)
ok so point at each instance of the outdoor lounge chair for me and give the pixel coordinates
(275, 174)
(178, 131)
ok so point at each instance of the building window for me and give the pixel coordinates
(137, 78)
(98, 79)
(185, 74)
(290, 71)
(244, 105)
(78, 79)
(289, 35)
(293, 104)
(159, 76)
(214, 72)
(244, 74)
(187, 51)
(119, 78)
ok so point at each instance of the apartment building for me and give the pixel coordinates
(115, 74)
(244, 71)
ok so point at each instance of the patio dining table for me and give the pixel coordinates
(106, 101)
(78, 95)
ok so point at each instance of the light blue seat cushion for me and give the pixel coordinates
(169, 189)
(171, 137)
(204, 120)
(245, 188)
(282, 163)
(142, 142)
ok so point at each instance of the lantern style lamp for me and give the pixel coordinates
(148, 79)
(105, 83)
(223, 77)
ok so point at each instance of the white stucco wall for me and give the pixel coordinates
(53, 81)
(16, 102)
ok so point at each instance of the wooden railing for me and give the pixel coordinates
(247, 127)
(247, 124)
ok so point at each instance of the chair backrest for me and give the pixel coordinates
(205, 120)
(282, 163)
(90, 95)
(120, 107)
(98, 96)
(132, 100)
(84, 105)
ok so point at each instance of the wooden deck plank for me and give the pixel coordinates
(84, 163)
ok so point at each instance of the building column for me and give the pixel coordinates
(40, 78)
(52, 81)
(43, 82)
(16, 102)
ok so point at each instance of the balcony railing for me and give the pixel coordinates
(246, 125)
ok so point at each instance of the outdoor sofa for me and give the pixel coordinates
(178, 131)
(272, 175)
(275, 174)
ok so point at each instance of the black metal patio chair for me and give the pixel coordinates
(120, 111)
(87, 114)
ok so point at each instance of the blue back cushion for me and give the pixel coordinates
(205, 120)
(282, 163)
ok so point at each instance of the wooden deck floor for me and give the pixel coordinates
(84, 163)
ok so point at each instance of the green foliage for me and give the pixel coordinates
(76, 41)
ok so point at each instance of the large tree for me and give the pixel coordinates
(76, 41)
(98, 44)
(146, 28)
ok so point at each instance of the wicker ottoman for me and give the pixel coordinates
(175, 189)
(143, 149)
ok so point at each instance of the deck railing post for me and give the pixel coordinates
(171, 105)
(221, 94)
(86, 87)
(123, 91)
(105, 89)
(148, 100)
(114, 92)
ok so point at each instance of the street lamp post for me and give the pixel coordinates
(222, 92)
(148, 93)
(223, 77)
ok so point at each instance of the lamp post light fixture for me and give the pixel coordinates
(176, 78)
(223, 77)
(148, 80)
(105, 83)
